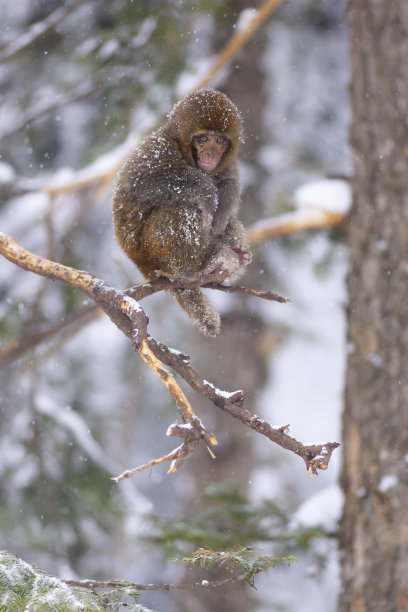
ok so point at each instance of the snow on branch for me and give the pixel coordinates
(292, 222)
(124, 310)
(318, 204)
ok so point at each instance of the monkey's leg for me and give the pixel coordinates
(177, 241)
(234, 239)
(234, 236)
(234, 233)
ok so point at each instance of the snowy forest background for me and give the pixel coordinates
(79, 406)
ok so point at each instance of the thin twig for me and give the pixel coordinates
(265, 295)
(145, 466)
(206, 282)
(112, 584)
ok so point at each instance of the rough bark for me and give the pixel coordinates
(374, 530)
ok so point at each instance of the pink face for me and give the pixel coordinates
(210, 148)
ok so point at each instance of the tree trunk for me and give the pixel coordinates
(374, 529)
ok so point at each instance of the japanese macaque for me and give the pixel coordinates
(177, 196)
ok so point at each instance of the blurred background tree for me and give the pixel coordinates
(374, 526)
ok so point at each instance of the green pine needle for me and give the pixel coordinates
(247, 559)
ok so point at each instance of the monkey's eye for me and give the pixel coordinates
(221, 139)
(202, 138)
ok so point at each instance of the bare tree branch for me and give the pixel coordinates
(127, 314)
(206, 282)
(315, 456)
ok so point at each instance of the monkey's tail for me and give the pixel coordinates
(199, 309)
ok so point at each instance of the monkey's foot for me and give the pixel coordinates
(218, 269)
(225, 261)
(244, 254)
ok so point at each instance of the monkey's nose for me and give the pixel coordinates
(212, 153)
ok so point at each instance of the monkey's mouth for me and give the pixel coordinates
(207, 166)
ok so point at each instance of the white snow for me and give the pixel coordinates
(321, 510)
(306, 373)
(146, 30)
(7, 173)
(388, 481)
(106, 162)
(333, 195)
(245, 18)
(110, 48)
(226, 394)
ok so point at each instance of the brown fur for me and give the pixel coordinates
(171, 216)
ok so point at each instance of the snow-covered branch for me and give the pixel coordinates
(319, 204)
(124, 310)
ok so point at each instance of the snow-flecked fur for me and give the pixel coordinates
(199, 309)
(206, 109)
(164, 206)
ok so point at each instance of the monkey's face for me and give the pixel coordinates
(208, 149)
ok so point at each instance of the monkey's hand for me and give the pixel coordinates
(244, 254)
(225, 260)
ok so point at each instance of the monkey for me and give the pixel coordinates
(176, 199)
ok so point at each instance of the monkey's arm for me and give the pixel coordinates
(228, 200)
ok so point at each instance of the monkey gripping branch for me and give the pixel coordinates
(124, 310)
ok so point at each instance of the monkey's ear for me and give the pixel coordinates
(173, 129)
